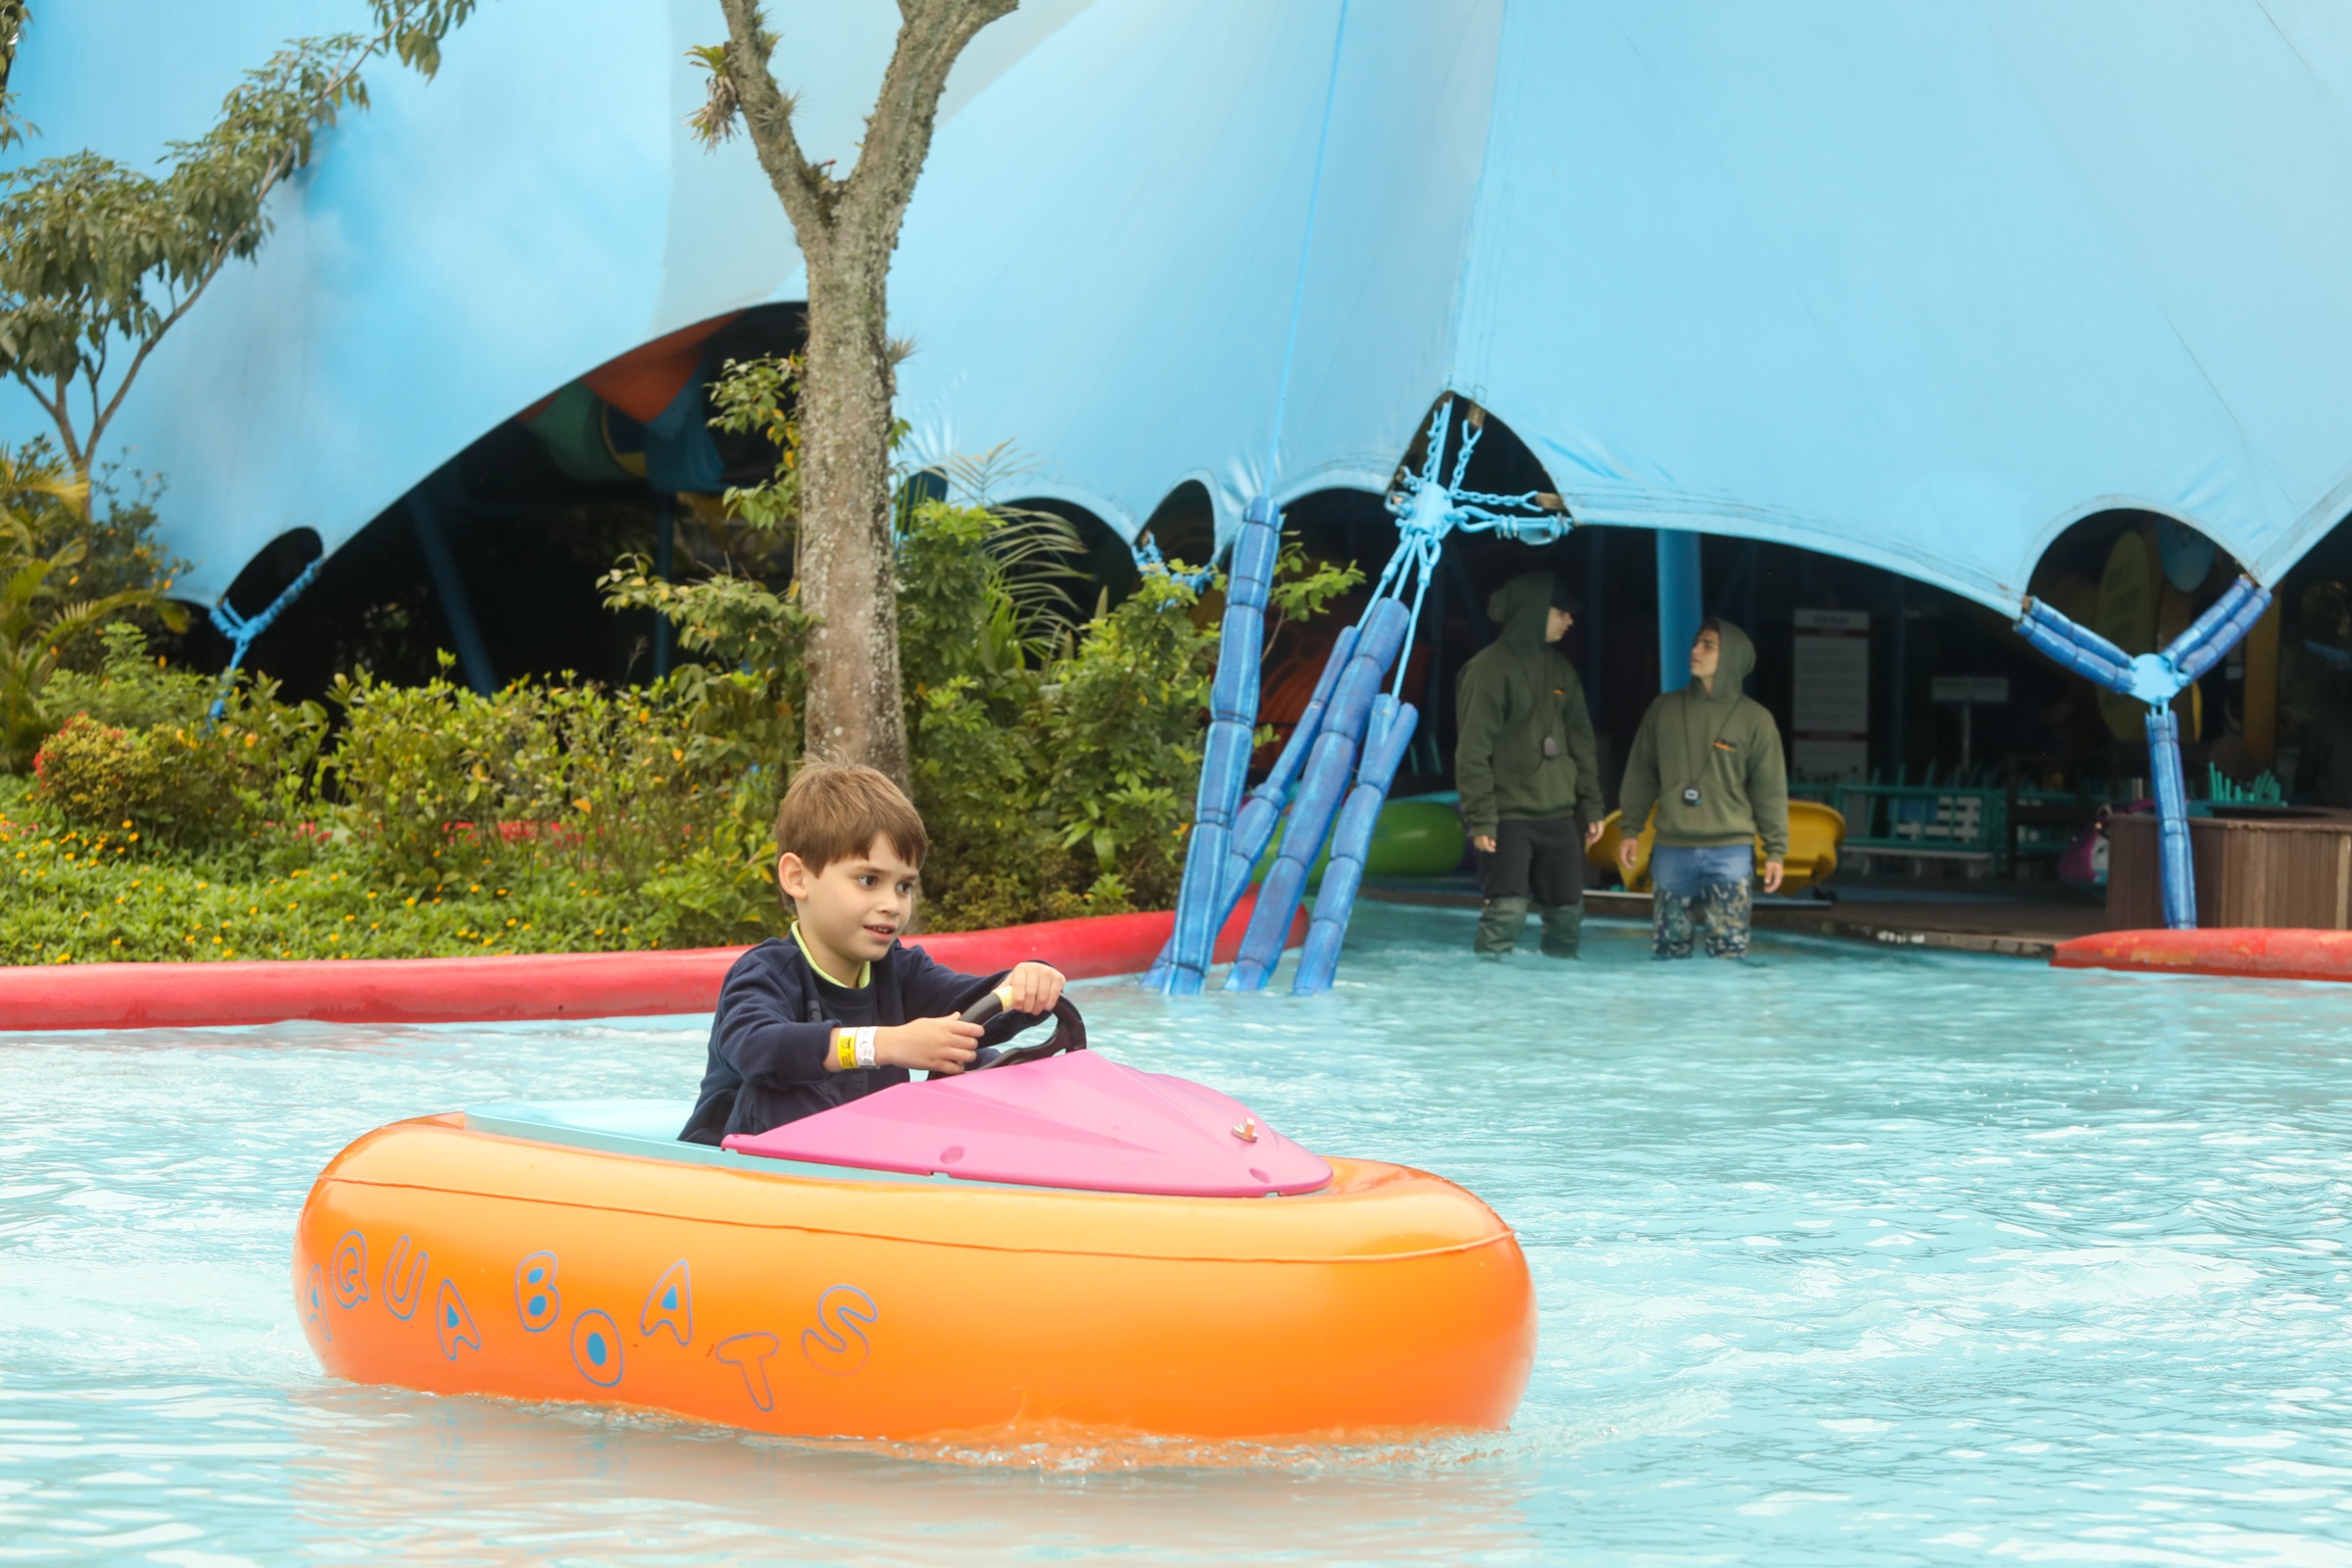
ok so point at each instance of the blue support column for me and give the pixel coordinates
(473, 658)
(1329, 766)
(2156, 679)
(2179, 869)
(1597, 561)
(1254, 824)
(1225, 756)
(1386, 737)
(1679, 613)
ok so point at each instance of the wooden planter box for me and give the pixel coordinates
(2257, 870)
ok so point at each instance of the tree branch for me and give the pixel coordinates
(932, 34)
(808, 192)
(61, 414)
(101, 418)
(222, 252)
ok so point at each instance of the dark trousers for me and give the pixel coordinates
(1533, 862)
(1543, 862)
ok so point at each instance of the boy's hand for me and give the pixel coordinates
(1035, 987)
(929, 1044)
(1627, 850)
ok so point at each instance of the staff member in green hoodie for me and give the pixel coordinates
(1528, 770)
(1709, 759)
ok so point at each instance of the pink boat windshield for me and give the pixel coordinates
(1076, 1120)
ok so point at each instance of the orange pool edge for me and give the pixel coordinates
(516, 987)
(2246, 951)
(453, 1261)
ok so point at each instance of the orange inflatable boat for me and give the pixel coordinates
(1096, 1249)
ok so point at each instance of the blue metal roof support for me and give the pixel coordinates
(473, 655)
(2156, 679)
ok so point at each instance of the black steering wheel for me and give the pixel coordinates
(1069, 1034)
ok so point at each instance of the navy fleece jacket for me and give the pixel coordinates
(769, 1038)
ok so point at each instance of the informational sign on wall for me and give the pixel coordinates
(1830, 715)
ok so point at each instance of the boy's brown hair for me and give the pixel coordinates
(834, 811)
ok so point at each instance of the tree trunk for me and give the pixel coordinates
(847, 229)
(846, 569)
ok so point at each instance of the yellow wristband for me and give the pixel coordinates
(853, 1049)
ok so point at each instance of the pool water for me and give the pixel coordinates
(1843, 1256)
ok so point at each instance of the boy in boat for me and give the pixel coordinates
(1709, 758)
(838, 1008)
(1529, 771)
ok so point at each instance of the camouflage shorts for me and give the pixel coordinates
(1722, 907)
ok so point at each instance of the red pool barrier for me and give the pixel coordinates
(2255, 952)
(547, 984)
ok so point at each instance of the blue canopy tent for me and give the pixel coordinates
(462, 249)
(1918, 285)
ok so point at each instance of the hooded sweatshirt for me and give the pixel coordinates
(1723, 744)
(1515, 695)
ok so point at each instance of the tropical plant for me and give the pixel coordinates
(39, 620)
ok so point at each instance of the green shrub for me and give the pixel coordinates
(1055, 763)
(175, 784)
(132, 686)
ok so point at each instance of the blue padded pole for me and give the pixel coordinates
(2080, 636)
(1254, 824)
(2156, 679)
(1679, 613)
(2218, 630)
(2179, 871)
(1325, 778)
(1386, 738)
(2034, 627)
(1225, 758)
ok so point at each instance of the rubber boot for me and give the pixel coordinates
(1563, 929)
(1498, 927)
(1728, 907)
(1670, 933)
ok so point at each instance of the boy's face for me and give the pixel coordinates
(1557, 623)
(855, 907)
(1706, 653)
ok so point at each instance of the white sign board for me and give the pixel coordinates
(1830, 715)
